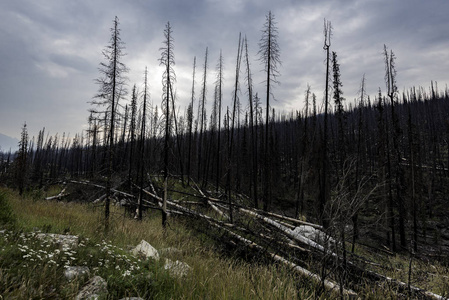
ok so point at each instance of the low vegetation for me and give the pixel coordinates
(32, 268)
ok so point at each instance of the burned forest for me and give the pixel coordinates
(328, 190)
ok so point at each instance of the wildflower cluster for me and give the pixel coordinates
(25, 250)
(41, 260)
(30, 249)
(111, 258)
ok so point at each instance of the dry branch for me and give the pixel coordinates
(58, 196)
(209, 202)
(103, 187)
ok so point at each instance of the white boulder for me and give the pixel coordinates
(177, 268)
(145, 249)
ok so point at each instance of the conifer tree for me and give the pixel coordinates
(168, 78)
(269, 55)
(111, 89)
(21, 160)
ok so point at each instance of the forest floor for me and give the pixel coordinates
(30, 269)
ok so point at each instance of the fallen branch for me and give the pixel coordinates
(222, 214)
(285, 218)
(103, 187)
(58, 196)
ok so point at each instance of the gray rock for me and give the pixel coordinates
(146, 250)
(76, 271)
(93, 289)
(177, 268)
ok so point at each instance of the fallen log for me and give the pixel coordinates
(99, 199)
(58, 196)
(299, 238)
(222, 214)
(287, 231)
(327, 283)
(293, 220)
(103, 187)
(285, 218)
(188, 202)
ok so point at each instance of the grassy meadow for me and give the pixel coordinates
(33, 269)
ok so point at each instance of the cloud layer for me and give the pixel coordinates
(50, 50)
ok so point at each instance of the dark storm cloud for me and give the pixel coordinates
(50, 50)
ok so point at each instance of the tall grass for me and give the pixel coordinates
(213, 276)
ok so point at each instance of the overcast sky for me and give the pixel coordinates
(50, 50)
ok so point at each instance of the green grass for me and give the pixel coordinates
(429, 275)
(213, 276)
(30, 268)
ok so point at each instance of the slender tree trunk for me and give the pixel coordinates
(412, 173)
(220, 95)
(231, 135)
(355, 217)
(203, 115)
(324, 189)
(142, 148)
(254, 168)
(267, 158)
(111, 134)
(190, 122)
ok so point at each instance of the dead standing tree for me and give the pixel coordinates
(168, 61)
(190, 123)
(253, 129)
(202, 116)
(232, 127)
(390, 80)
(269, 55)
(219, 85)
(324, 176)
(112, 88)
(142, 144)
